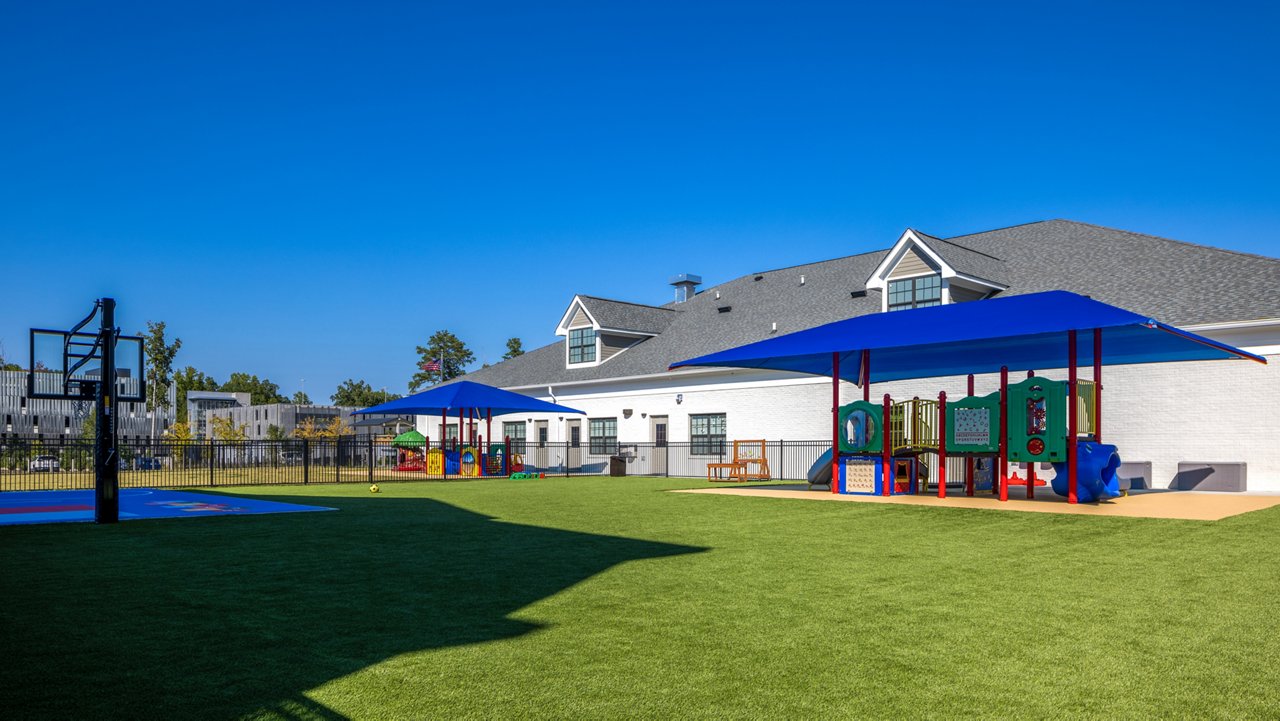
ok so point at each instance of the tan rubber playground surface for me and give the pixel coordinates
(1184, 505)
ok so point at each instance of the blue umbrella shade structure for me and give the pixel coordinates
(467, 396)
(1021, 332)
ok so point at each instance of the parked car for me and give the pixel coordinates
(46, 464)
(291, 458)
(145, 463)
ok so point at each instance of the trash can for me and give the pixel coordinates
(617, 466)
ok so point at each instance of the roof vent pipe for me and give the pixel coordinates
(802, 279)
(686, 285)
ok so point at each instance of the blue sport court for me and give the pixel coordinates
(71, 506)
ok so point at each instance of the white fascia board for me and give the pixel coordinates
(880, 276)
(620, 331)
(974, 280)
(562, 328)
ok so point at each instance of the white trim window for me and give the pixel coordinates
(582, 345)
(919, 292)
(515, 432)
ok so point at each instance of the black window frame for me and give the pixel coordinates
(582, 343)
(604, 443)
(911, 294)
(707, 442)
(518, 440)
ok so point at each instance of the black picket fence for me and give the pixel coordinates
(34, 464)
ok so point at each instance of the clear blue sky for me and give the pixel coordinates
(309, 190)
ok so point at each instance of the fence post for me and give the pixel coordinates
(371, 460)
(337, 459)
(782, 458)
(666, 464)
(564, 459)
(211, 461)
(306, 461)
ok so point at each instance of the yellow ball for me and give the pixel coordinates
(373, 488)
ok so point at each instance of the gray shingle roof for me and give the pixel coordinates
(968, 261)
(619, 315)
(1172, 281)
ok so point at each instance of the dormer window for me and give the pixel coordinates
(582, 345)
(920, 292)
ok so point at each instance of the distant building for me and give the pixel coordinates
(49, 420)
(287, 417)
(200, 403)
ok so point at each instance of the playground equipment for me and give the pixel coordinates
(750, 462)
(1028, 422)
(410, 450)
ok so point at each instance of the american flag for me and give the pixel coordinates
(431, 366)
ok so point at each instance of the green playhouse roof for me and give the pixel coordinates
(409, 438)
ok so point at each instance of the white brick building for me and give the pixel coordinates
(613, 359)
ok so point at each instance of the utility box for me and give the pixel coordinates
(617, 466)
(1211, 477)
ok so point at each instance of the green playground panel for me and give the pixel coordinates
(1038, 411)
(861, 420)
(973, 424)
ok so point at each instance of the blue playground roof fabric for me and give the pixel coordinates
(466, 395)
(1023, 332)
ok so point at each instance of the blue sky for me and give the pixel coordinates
(309, 190)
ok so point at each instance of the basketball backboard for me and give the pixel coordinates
(68, 365)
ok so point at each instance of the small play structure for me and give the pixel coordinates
(750, 463)
(906, 445)
(410, 450)
(468, 453)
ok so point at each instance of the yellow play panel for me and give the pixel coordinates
(1184, 505)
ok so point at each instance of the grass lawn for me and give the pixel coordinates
(594, 597)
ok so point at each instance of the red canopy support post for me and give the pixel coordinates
(886, 448)
(1072, 413)
(462, 429)
(488, 425)
(1001, 471)
(968, 462)
(1097, 384)
(1031, 466)
(835, 422)
(942, 444)
(866, 376)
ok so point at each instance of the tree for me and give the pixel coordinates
(190, 379)
(452, 354)
(6, 365)
(300, 399)
(225, 429)
(180, 433)
(261, 391)
(360, 394)
(336, 428)
(159, 369)
(514, 348)
(275, 433)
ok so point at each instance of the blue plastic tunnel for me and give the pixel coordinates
(1096, 467)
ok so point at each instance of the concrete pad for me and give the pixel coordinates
(1183, 505)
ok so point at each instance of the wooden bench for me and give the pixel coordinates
(750, 462)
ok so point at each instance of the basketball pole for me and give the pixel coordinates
(106, 462)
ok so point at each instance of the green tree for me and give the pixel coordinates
(225, 429)
(261, 391)
(190, 379)
(452, 353)
(300, 399)
(514, 348)
(360, 394)
(275, 433)
(159, 369)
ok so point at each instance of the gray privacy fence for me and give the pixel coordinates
(63, 463)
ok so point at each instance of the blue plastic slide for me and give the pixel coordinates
(1096, 467)
(820, 471)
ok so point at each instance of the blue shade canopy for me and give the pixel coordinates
(465, 396)
(1022, 332)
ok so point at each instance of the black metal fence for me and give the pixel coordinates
(45, 464)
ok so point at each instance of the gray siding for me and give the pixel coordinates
(611, 345)
(913, 263)
(960, 294)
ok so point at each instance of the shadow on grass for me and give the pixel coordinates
(217, 618)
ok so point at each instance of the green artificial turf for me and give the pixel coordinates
(601, 597)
